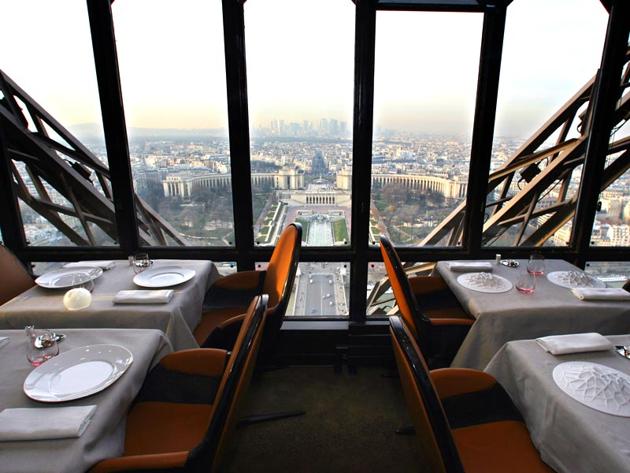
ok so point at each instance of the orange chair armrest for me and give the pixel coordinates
(197, 361)
(243, 280)
(159, 461)
(451, 321)
(231, 321)
(427, 284)
(453, 381)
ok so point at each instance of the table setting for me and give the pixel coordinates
(574, 393)
(526, 299)
(65, 411)
(138, 293)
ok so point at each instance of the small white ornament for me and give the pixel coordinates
(77, 299)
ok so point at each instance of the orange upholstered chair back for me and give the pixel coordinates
(14, 279)
(405, 298)
(283, 264)
(432, 428)
(232, 388)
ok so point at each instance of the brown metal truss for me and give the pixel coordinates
(538, 169)
(63, 181)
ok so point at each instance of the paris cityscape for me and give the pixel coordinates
(302, 172)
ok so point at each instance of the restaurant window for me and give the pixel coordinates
(425, 84)
(320, 290)
(547, 59)
(613, 273)
(300, 92)
(172, 70)
(48, 86)
(611, 226)
(380, 297)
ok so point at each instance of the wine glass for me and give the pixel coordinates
(526, 283)
(41, 345)
(536, 265)
(141, 262)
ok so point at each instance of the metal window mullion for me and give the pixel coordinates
(365, 40)
(483, 126)
(115, 128)
(11, 222)
(238, 124)
(606, 92)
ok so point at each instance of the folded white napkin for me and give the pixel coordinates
(142, 296)
(601, 294)
(469, 266)
(105, 264)
(43, 423)
(3, 340)
(574, 343)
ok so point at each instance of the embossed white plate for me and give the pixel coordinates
(476, 282)
(164, 276)
(596, 386)
(67, 277)
(77, 373)
(563, 279)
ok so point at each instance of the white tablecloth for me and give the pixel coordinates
(550, 310)
(571, 437)
(105, 435)
(177, 319)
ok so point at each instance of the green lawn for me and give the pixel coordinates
(305, 223)
(340, 231)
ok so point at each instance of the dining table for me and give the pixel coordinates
(570, 436)
(512, 315)
(44, 308)
(105, 434)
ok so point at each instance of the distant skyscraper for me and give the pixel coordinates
(318, 166)
(323, 126)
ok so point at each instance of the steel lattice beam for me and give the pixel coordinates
(52, 159)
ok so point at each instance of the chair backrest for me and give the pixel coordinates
(14, 279)
(279, 279)
(406, 300)
(208, 454)
(432, 428)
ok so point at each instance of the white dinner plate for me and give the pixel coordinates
(77, 373)
(564, 279)
(164, 276)
(597, 386)
(476, 282)
(67, 277)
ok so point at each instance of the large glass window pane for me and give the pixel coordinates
(547, 59)
(424, 102)
(300, 89)
(51, 116)
(612, 220)
(380, 297)
(319, 290)
(613, 273)
(172, 69)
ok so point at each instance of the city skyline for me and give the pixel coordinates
(300, 70)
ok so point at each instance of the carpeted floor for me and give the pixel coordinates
(348, 427)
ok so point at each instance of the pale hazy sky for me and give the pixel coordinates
(300, 62)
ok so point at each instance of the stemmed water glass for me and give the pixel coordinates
(41, 345)
(141, 261)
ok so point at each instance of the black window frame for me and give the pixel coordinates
(359, 254)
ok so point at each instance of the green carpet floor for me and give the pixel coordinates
(348, 427)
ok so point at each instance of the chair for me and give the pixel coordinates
(14, 279)
(438, 322)
(464, 419)
(186, 410)
(220, 323)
